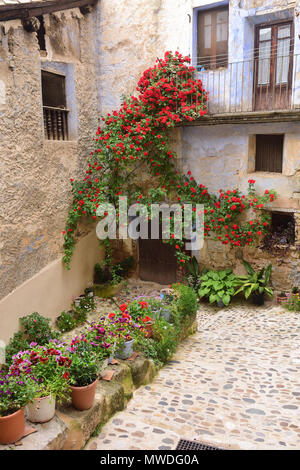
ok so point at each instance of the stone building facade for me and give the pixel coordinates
(260, 38)
(36, 165)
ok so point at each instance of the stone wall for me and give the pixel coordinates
(35, 194)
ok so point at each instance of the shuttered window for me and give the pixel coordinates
(213, 38)
(269, 151)
(54, 106)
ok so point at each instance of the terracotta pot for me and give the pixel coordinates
(12, 427)
(41, 410)
(149, 331)
(83, 397)
(281, 300)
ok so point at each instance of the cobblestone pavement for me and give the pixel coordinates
(235, 383)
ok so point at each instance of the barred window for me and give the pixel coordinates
(55, 111)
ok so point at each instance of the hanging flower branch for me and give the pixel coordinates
(134, 138)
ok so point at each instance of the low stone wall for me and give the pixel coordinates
(71, 429)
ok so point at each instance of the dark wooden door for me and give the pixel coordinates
(273, 66)
(157, 261)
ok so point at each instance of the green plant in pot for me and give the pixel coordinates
(15, 394)
(255, 284)
(47, 366)
(84, 373)
(218, 286)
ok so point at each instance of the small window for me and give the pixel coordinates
(269, 150)
(54, 106)
(213, 38)
(283, 227)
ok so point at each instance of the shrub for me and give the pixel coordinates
(255, 282)
(66, 321)
(17, 343)
(186, 303)
(37, 328)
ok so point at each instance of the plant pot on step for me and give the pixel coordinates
(258, 299)
(83, 397)
(166, 314)
(148, 330)
(41, 410)
(126, 350)
(12, 427)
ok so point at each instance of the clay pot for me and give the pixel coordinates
(281, 300)
(12, 427)
(83, 397)
(126, 350)
(149, 331)
(41, 410)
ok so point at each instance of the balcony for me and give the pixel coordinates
(266, 85)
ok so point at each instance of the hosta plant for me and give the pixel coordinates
(218, 286)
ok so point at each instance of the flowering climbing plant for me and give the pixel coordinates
(134, 139)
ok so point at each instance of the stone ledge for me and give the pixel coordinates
(71, 429)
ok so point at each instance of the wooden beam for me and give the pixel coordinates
(27, 10)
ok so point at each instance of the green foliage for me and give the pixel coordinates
(17, 343)
(293, 303)
(37, 328)
(186, 302)
(218, 286)
(85, 367)
(255, 282)
(15, 393)
(100, 275)
(66, 321)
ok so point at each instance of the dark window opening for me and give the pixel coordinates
(269, 151)
(283, 227)
(54, 106)
(212, 40)
(41, 34)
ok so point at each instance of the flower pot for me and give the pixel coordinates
(41, 410)
(166, 314)
(126, 350)
(12, 427)
(83, 397)
(258, 299)
(220, 304)
(149, 331)
(281, 300)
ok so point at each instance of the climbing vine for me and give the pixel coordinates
(134, 139)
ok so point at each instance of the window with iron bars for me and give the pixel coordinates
(55, 111)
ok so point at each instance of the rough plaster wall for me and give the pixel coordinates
(34, 173)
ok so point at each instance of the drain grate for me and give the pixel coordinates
(184, 444)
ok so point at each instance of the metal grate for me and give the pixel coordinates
(184, 444)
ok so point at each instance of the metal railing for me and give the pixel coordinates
(55, 123)
(260, 84)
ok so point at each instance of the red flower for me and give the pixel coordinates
(111, 315)
(123, 307)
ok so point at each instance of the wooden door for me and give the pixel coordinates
(273, 66)
(157, 262)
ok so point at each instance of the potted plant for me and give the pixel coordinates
(148, 326)
(84, 373)
(255, 284)
(125, 349)
(15, 394)
(47, 367)
(218, 286)
(282, 297)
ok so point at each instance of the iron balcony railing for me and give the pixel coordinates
(259, 84)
